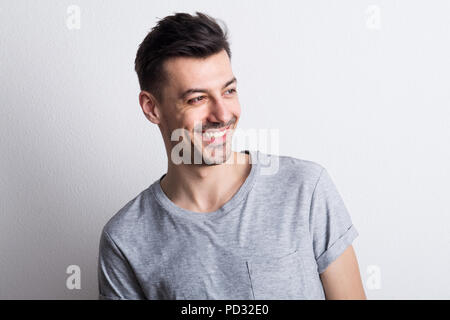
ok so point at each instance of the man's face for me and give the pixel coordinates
(201, 98)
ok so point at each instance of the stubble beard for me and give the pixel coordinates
(212, 155)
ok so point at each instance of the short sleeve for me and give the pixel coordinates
(330, 225)
(116, 279)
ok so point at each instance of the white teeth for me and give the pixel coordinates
(209, 135)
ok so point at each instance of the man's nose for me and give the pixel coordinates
(219, 112)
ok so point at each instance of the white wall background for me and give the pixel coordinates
(361, 87)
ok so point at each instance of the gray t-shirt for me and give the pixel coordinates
(271, 240)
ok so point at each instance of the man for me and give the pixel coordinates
(214, 226)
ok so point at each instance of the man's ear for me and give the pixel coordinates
(150, 107)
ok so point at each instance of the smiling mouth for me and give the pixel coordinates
(216, 136)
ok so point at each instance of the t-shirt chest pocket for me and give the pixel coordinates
(196, 275)
(281, 278)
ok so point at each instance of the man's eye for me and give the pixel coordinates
(194, 99)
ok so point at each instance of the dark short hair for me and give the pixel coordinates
(178, 35)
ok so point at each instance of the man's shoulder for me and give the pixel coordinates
(128, 216)
(289, 167)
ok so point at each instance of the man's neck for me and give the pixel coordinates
(205, 188)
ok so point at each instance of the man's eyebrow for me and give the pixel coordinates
(189, 91)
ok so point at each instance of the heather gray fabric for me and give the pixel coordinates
(271, 240)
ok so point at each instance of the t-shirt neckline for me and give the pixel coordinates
(245, 188)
